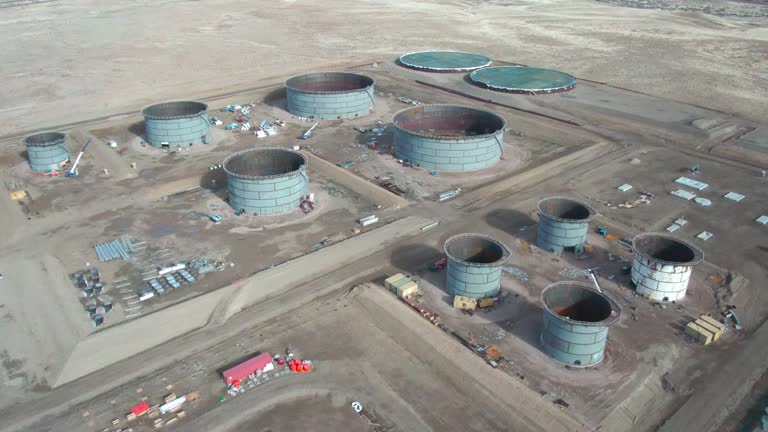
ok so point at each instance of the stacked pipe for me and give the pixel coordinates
(115, 249)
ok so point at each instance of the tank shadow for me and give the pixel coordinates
(216, 181)
(276, 99)
(412, 258)
(515, 314)
(513, 222)
(137, 129)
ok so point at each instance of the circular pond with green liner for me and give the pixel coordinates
(444, 61)
(523, 79)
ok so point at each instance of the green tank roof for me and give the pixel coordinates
(444, 61)
(523, 79)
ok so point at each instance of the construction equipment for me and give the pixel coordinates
(487, 302)
(464, 303)
(587, 273)
(591, 274)
(214, 218)
(439, 264)
(732, 315)
(308, 133)
(73, 172)
(306, 206)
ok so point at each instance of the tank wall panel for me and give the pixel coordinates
(267, 196)
(179, 131)
(573, 344)
(554, 235)
(331, 106)
(660, 281)
(50, 158)
(449, 154)
(472, 281)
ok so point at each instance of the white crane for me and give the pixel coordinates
(588, 273)
(73, 172)
(308, 133)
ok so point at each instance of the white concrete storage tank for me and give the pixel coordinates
(449, 137)
(563, 223)
(330, 95)
(474, 265)
(662, 266)
(576, 322)
(266, 181)
(47, 151)
(176, 124)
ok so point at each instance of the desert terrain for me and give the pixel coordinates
(662, 86)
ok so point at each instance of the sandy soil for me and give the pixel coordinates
(68, 62)
(65, 62)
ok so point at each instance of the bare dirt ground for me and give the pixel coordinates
(116, 58)
(682, 88)
(410, 383)
(736, 8)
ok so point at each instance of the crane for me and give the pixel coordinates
(588, 273)
(73, 172)
(308, 133)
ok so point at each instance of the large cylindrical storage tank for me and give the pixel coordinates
(474, 265)
(449, 137)
(330, 95)
(266, 181)
(563, 223)
(176, 124)
(47, 151)
(576, 321)
(662, 266)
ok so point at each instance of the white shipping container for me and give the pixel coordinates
(173, 268)
(369, 220)
(172, 404)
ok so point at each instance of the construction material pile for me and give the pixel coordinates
(120, 248)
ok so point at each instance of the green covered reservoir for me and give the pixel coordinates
(444, 61)
(523, 79)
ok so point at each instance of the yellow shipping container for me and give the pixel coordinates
(461, 302)
(699, 333)
(715, 323)
(710, 328)
(407, 289)
(484, 303)
(388, 283)
(18, 195)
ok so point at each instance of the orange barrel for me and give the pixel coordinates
(306, 367)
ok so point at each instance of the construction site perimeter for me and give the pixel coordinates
(313, 277)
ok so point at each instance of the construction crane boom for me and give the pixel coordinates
(72, 172)
(308, 133)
